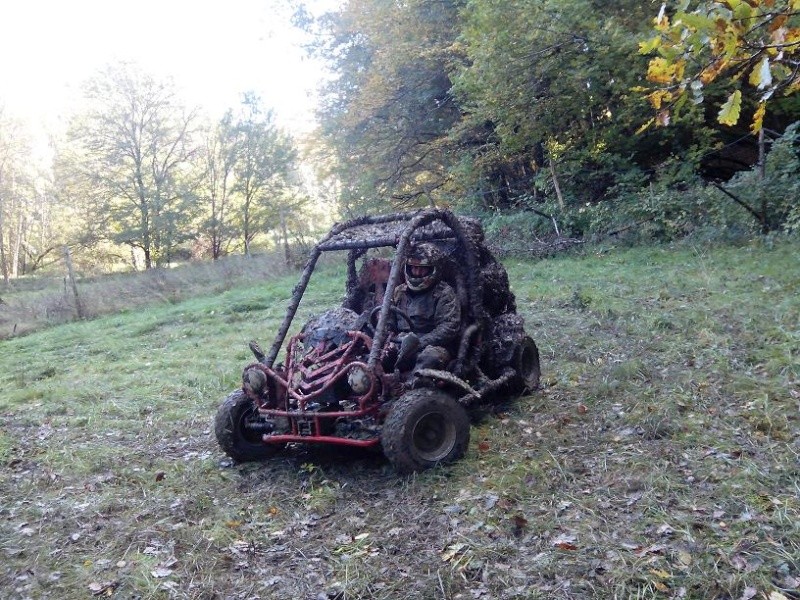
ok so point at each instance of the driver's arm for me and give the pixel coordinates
(447, 317)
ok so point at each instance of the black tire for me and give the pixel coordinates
(234, 438)
(425, 428)
(526, 364)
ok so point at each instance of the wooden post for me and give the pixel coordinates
(71, 275)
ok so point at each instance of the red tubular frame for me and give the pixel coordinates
(317, 382)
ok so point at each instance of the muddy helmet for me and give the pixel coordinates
(423, 267)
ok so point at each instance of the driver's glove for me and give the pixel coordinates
(408, 352)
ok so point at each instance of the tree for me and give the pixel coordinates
(132, 148)
(217, 184)
(750, 49)
(263, 156)
(12, 151)
(545, 83)
(387, 114)
(487, 104)
(28, 230)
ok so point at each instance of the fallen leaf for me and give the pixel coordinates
(160, 476)
(160, 572)
(660, 573)
(452, 551)
(565, 546)
(791, 583)
(654, 549)
(104, 588)
(665, 530)
(748, 593)
(567, 538)
(483, 446)
(582, 409)
(520, 521)
(738, 562)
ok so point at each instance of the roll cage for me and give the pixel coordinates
(397, 230)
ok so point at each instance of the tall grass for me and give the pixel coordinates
(27, 306)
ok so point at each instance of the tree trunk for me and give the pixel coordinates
(3, 248)
(762, 173)
(16, 246)
(286, 254)
(246, 231)
(73, 283)
(555, 184)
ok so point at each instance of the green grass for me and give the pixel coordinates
(659, 460)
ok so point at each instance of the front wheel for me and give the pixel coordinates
(425, 428)
(239, 441)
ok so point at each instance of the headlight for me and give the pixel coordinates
(255, 380)
(359, 380)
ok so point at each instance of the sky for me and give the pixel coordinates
(214, 50)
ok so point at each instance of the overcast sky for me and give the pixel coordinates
(213, 49)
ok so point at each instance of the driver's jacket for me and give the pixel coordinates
(435, 314)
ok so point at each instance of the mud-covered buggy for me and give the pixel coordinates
(339, 382)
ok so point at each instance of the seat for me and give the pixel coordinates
(370, 285)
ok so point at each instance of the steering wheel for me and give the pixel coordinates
(374, 315)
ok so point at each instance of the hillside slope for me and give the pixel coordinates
(659, 460)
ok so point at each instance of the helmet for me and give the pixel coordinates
(423, 267)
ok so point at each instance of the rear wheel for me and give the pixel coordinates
(526, 364)
(425, 427)
(235, 435)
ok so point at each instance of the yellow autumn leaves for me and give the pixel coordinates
(725, 41)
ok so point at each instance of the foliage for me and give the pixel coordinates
(215, 192)
(141, 171)
(386, 115)
(130, 156)
(773, 194)
(263, 157)
(514, 78)
(749, 48)
(467, 103)
(32, 231)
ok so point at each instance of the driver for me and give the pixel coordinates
(430, 340)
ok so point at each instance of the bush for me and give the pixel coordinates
(776, 194)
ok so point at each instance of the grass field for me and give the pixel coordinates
(661, 459)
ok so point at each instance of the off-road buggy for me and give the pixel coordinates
(339, 384)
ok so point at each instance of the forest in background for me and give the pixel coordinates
(554, 119)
